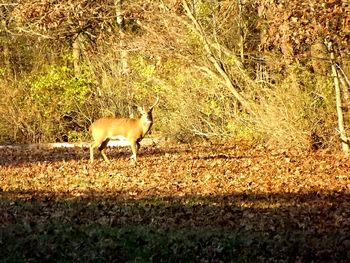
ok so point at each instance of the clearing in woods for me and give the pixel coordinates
(181, 203)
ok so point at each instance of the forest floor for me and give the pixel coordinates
(229, 202)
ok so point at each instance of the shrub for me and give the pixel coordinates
(298, 111)
(45, 106)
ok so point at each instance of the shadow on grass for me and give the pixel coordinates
(241, 227)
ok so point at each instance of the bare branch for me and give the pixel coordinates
(212, 58)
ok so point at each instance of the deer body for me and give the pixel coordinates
(131, 130)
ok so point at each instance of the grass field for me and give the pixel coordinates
(180, 203)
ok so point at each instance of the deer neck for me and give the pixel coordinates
(146, 126)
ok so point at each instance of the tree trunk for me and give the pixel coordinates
(345, 86)
(241, 30)
(121, 24)
(343, 138)
(76, 55)
(7, 56)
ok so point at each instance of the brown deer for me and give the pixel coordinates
(131, 130)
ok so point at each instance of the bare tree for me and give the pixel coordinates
(121, 25)
(210, 50)
(341, 126)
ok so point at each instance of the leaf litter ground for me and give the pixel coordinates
(203, 203)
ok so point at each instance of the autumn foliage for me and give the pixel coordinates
(211, 202)
(231, 64)
(248, 167)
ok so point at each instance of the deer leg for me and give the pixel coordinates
(102, 150)
(137, 146)
(134, 149)
(93, 145)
